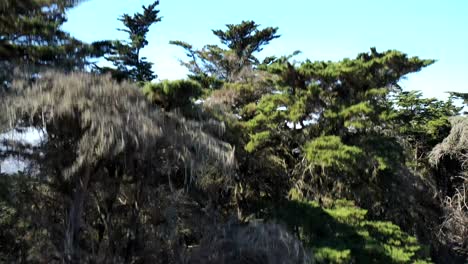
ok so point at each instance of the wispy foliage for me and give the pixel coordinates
(100, 131)
(455, 145)
(254, 243)
(108, 118)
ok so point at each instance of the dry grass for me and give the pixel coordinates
(454, 229)
(454, 145)
(256, 243)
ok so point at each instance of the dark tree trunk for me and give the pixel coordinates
(73, 224)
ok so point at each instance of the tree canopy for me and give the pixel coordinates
(245, 161)
(213, 65)
(126, 55)
(31, 38)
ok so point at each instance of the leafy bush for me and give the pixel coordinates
(329, 151)
(172, 94)
(341, 233)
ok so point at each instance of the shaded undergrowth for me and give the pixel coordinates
(339, 232)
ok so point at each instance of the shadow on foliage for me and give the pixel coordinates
(340, 233)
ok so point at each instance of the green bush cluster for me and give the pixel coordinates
(340, 232)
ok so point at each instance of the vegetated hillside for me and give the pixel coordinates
(245, 161)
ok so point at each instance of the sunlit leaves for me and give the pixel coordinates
(329, 151)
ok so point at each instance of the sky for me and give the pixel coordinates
(321, 29)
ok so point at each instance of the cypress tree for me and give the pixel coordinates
(212, 65)
(31, 37)
(126, 55)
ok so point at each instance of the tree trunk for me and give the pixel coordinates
(73, 224)
(133, 232)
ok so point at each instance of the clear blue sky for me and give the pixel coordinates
(321, 29)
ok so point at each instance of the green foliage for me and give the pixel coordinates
(355, 115)
(423, 116)
(121, 180)
(356, 90)
(31, 38)
(341, 233)
(386, 152)
(213, 65)
(257, 140)
(245, 38)
(22, 211)
(330, 152)
(422, 122)
(126, 55)
(172, 94)
(341, 98)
